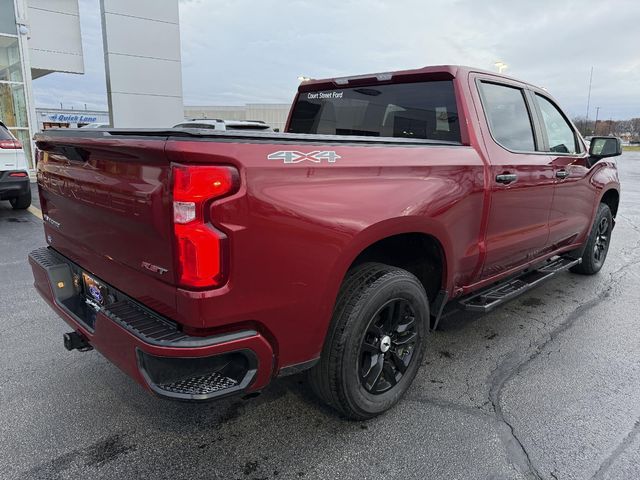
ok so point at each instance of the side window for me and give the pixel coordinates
(559, 132)
(508, 116)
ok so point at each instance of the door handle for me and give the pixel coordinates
(562, 174)
(506, 178)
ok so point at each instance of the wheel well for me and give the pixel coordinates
(611, 198)
(417, 253)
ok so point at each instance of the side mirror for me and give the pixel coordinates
(602, 147)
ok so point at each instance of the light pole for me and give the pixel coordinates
(586, 118)
(595, 124)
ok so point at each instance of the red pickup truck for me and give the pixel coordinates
(208, 263)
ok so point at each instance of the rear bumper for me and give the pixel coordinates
(12, 187)
(149, 348)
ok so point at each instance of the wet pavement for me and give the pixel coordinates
(547, 386)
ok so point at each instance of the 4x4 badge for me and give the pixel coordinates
(291, 156)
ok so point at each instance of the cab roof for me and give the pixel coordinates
(434, 72)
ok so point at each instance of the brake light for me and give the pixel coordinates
(200, 247)
(18, 174)
(10, 144)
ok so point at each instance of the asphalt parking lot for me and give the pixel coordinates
(547, 386)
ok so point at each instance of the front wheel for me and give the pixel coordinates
(376, 341)
(595, 252)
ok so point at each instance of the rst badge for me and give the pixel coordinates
(154, 268)
(292, 156)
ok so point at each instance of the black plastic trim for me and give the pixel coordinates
(298, 367)
(242, 384)
(11, 187)
(438, 306)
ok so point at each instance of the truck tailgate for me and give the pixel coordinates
(110, 199)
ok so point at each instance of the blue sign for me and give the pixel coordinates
(59, 117)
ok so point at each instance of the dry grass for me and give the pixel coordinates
(631, 148)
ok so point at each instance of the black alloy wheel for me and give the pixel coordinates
(601, 245)
(596, 248)
(388, 346)
(375, 343)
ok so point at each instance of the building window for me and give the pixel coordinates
(13, 107)
(13, 104)
(10, 66)
(7, 17)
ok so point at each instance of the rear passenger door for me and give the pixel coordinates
(521, 177)
(573, 198)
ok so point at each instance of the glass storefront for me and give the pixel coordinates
(10, 65)
(13, 104)
(8, 17)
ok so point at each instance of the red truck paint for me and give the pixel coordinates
(295, 229)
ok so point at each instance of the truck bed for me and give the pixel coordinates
(106, 199)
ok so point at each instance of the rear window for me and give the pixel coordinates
(425, 110)
(4, 133)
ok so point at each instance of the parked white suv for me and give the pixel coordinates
(223, 125)
(14, 178)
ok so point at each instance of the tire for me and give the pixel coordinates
(595, 252)
(22, 202)
(375, 343)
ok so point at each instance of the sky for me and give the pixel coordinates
(243, 51)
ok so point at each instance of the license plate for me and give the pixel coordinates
(95, 291)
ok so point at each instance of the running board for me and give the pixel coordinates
(499, 293)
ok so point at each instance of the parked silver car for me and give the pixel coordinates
(224, 125)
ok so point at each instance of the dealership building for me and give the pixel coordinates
(60, 118)
(143, 68)
(273, 114)
(37, 37)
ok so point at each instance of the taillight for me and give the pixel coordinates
(200, 247)
(18, 174)
(10, 144)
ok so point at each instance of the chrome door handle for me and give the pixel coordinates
(506, 178)
(562, 174)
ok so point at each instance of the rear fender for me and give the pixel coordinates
(381, 231)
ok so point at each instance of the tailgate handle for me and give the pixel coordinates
(72, 153)
(506, 178)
